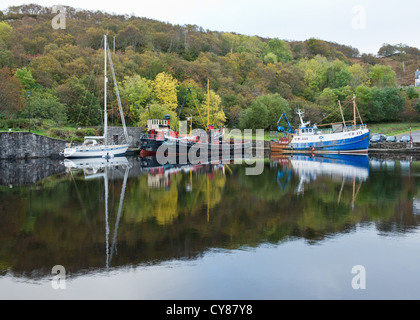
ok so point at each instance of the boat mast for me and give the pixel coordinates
(105, 85)
(354, 112)
(342, 115)
(118, 97)
(208, 103)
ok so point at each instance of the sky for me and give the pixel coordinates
(362, 24)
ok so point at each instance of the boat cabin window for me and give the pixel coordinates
(308, 130)
(90, 143)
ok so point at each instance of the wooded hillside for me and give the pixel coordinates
(252, 80)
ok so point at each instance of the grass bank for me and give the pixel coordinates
(389, 129)
(393, 129)
(63, 133)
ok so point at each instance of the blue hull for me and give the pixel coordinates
(357, 161)
(350, 144)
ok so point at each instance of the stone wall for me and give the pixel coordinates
(394, 147)
(116, 136)
(28, 171)
(25, 145)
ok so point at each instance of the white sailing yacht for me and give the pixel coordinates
(91, 148)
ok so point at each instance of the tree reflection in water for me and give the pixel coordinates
(155, 213)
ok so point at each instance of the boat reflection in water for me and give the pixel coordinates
(155, 200)
(102, 168)
(344, 168)
(159, 176)
(302, 222)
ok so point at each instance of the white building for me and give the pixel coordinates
(417, 78)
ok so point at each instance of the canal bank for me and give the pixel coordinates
(394, 148)
(25, 145)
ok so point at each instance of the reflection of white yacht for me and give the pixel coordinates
(95, 163)
(98, 168)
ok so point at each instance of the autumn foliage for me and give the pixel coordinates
(169, 66)
(11, 98)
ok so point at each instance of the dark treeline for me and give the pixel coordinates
(252, 79)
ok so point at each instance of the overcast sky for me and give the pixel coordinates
(364, 25)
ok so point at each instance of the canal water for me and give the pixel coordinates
(307, 227)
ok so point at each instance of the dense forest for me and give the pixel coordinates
(247, 81)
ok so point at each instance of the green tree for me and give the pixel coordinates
(382, 76)
(359, 75)
(380, 104)
(270, 58)
(412, 93)
(276, 105)
(327, 99)
(390, 101)
(130, 36)
(281, 49)
(318, 47)
(46, 70)
(315, 75)
(25, 77)
(387, 50)
(137, 90)
(46, 106)
(6, 56)
(338, 75)
(83, 108)
(6, 32)
(363, 99)
(255, 117)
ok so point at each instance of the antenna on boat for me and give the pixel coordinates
(300, 114)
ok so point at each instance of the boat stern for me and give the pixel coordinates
(68, 152)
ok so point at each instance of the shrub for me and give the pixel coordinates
(59, 133)
(86, 132)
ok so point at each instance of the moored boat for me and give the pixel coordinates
(341, 138)
(91, 148)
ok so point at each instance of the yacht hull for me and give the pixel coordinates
(95, 151)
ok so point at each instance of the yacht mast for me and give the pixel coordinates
(105, 85)
(118, 97)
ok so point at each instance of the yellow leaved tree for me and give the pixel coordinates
(165, 90)
(215, 111)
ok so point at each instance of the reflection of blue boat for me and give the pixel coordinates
(309, 168)
(344, 159)
(345, 166)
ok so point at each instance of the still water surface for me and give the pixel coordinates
(134, 230)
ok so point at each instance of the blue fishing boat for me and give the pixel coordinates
(341, 138)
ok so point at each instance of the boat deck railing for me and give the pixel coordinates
(347, 128)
